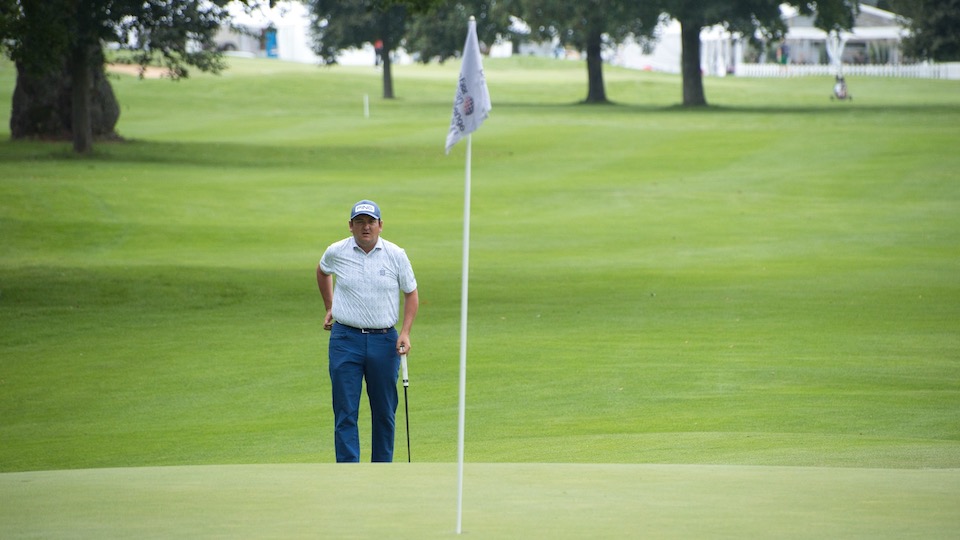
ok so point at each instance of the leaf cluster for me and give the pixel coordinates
(433, 29)
(576, 23)
(338, 25)
(761, 19)
(430, 29)
(40, 34)
(934, 28)
(438, 32)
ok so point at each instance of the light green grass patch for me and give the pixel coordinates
(500, 501)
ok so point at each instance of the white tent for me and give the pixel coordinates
(718, 51)
(663, 56)
(289, 22)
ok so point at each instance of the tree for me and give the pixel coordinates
(42, 105)
(749, 18)
(694, 15)
(934, 28)
(588, 25)
(342, 24)
(57, 46)
(439, 31)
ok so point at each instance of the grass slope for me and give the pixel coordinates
(769, 281)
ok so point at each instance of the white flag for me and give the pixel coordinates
(472, 104)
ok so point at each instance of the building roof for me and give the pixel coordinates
(871, 23)
(868, 17)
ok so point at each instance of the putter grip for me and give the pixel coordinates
(403, 368)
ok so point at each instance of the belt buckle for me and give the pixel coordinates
(365, 331)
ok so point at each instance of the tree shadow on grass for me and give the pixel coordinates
(828, 108)
(206, 154)
(278, 156)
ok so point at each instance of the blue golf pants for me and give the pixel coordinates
(354, 357)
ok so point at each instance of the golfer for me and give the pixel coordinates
(363, 305)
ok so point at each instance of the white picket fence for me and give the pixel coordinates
(916, 71)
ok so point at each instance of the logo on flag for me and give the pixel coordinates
(471, 106)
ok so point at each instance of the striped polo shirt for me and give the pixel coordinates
(367, 286)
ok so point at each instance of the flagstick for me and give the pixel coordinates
(463, 336)
(470, 108)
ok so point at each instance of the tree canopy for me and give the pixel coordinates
(588, 26)
(63, 39)
(428, 29)
(344, 24)
(934, 28)
(438, 32)
(748, 17)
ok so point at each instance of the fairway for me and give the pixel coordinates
(736, 321)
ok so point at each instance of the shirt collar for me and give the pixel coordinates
(355, 245)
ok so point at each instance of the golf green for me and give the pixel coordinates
(520, 501)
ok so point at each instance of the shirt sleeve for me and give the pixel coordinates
(407, 280)
(328, 261)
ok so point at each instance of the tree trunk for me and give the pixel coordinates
(693, 95)
(42, 104)
(387, 73)
(79, 67)
(595, 90)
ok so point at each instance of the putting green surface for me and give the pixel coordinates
(500, 501)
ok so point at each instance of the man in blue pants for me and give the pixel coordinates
(363, 306)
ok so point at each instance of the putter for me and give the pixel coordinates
(406, 407)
